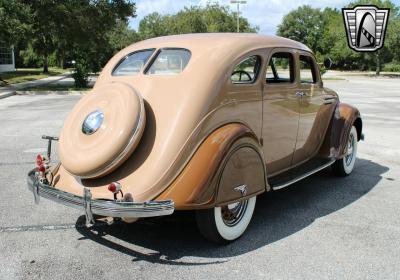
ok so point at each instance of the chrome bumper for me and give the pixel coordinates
(98, 207)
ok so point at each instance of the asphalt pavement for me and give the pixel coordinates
(323, 227)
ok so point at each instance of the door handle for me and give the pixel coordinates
(300, 94)
(329, 99)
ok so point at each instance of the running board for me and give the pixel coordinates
(292, 176)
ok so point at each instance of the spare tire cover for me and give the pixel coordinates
(102, 130)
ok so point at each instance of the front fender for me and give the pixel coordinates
(344, 117)
(196, 187)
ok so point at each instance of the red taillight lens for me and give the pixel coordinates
(114, 187)
(42, 168)
(39, 160)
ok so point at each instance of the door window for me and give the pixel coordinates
(246, 71)
(280, 68)
(307, 70)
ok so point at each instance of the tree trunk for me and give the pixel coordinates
(378, 65)
(46, 64)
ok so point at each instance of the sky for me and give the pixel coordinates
(263, 13)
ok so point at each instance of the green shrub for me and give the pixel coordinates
(30, 58)
(81, 74)
(392, 67)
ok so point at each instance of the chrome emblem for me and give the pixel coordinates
(242, 189)
(365, 27)
(92, 122)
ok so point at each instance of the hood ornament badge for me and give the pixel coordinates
(92, 122)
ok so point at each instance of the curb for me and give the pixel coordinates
(8, 94)
(50, 92)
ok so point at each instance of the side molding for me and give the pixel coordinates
(334, 145)
(196, 187)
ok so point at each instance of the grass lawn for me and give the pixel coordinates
(27, 74)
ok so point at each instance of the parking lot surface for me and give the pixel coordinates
(323, 227)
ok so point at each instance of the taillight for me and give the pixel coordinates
(42, 168)
(39, 160)
(114, 187)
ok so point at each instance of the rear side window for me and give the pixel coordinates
(169, 62)
(132, 63)
(246, 71)
(307, 70)
(280, 68)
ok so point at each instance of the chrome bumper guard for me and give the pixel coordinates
(92, 207)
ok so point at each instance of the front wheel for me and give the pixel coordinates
(344, 166)
(227, 223)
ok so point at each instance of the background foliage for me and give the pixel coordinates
(89, 32)
(324, 32)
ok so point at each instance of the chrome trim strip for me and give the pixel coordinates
(329, 99)
(305, 175)
(92, 207)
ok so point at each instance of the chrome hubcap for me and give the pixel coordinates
(92, 122)
(350, 150)
(233, 213)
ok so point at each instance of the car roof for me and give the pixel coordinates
(219, 42)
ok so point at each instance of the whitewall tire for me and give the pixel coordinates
(227, 223)
(344, 166)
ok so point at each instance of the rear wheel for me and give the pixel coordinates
(227, 223)
(344, 166)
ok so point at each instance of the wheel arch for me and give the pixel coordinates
(344, 117)
(359, 125)
(197, 186)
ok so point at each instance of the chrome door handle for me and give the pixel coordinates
(300, 94)
(329, 99)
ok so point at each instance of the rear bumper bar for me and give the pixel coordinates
(92, 207)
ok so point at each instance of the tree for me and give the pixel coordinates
(393, 37)
(194, 19)
(120, 37)
(15, 22)
(153, 25)
(384, 54)
(306, 25)
(75, 27)
(334, 42)
(324, 32)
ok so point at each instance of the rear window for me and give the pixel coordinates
(133, 63)
(169, 62)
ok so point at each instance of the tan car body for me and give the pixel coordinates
(205, 135)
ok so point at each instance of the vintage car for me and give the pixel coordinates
(202, 122)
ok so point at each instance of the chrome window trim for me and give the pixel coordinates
(157, 53)
(128, 55)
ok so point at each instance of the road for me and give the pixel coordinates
(320, 228)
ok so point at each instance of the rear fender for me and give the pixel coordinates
(204, 182)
